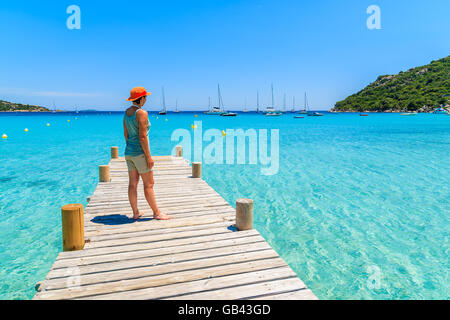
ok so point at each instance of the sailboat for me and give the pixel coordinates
(164, 110)
(284, 104)
(245, 106)
(225, 113)
(214, 110)
(293, 109)
(54, 108)
(270, 111)
(293, 105)
(272, 108)
(176, 107)
(304, 111)
(311, 114)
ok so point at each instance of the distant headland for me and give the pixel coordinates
(6, 106)
(421, 89)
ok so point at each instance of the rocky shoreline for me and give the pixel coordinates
(424, 109)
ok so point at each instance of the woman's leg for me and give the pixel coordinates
(147, 178)
(132, 193)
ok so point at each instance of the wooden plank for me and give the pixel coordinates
(208, 200)
(126, 218)
(175, 231)
(172, 208)
(204, 222)
(103, 231)
(246, 291)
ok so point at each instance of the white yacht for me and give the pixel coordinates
(164, 110)
(270, 111)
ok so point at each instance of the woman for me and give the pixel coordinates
(137, 153)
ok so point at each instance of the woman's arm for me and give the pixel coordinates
(125, 131)
(142, 119)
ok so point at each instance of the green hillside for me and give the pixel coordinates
(419, 89)
(10, 106)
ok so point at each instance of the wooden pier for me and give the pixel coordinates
(197, 255)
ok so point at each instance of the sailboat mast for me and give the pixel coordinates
(220, 98)
(164, 99)
(306, 103)
(176, 106)
(273, 101)
(209, 103)
(257, 101)
(293, 104)
(284, 102)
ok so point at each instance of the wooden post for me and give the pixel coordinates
(179, 151)
(114, 152)
(244, 214)
(196, 170)
(104, 174)
(73, 227)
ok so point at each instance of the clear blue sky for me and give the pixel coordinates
(323, 47)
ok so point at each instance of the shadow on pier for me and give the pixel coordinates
(117, 219)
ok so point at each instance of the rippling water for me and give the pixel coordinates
(359, 208)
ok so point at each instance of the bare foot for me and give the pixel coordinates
(161, 216)
(137, 216)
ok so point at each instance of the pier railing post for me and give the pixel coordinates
(104, 174)
(179, 151)
(73, 227)
(244, 214)
(114, 152)
(196, 170)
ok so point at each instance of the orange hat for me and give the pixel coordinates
(137, 93)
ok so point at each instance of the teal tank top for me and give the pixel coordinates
(133, 147)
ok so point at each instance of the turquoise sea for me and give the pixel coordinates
(359, 208)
